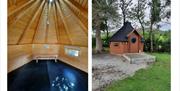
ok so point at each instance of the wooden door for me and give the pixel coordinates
(133, 41)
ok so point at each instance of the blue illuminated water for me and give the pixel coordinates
(47, 76)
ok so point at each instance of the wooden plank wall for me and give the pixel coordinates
(35, 23)
(22, 54)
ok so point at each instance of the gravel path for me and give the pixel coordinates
(108, 68)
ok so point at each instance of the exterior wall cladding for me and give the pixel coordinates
(127, 47)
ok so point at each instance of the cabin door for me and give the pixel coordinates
(133, 41)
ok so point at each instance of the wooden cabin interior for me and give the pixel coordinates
(48, 29)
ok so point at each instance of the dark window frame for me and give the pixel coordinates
(133, 40)
(116, 44)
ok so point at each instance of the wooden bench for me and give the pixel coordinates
(45, 56)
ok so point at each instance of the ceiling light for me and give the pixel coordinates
(50, 1)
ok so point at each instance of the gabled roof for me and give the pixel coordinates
(122, 33)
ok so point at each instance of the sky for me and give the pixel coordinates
(165, 25)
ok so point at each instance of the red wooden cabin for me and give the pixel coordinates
(126, 40)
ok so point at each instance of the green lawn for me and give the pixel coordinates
(154, 78)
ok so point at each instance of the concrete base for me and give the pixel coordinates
(107, 68)
(136, 58)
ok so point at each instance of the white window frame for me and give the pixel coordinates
(72, 48)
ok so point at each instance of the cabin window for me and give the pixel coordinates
(46, 46)
(73, 52)
(133, 40)
(116, 44)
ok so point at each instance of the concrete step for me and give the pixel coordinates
(137, 58)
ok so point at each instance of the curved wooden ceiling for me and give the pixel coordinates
(44, 22)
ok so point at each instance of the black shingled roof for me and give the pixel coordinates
(121, 34)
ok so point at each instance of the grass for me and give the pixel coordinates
(154, 78)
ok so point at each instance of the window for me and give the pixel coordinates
(133, 40)
(72, 51)
(116, 44)
(46, 46)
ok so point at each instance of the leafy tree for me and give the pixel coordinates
(155, 9)
(102, 10)
(166, 11)
(104, 27)
(138, 13)
(125, 8)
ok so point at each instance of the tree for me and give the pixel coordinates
(155, 9)
(138, 13)
(102, 10)
(104, 27)
(166, 11)
(125, 8)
